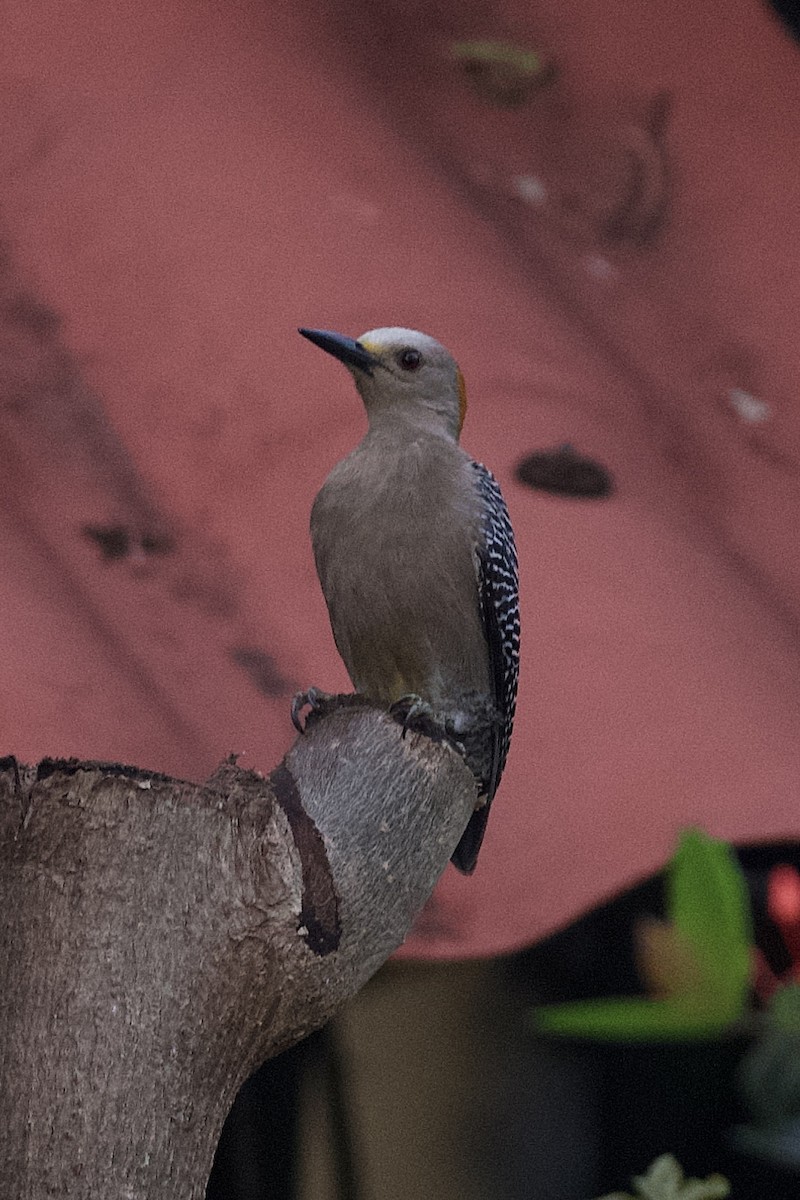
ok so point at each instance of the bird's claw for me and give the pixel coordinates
(314, 699)
(409, 709)
(415, 713)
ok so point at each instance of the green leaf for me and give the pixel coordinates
(632, 1019)
(665, 1181)
(708, 906)
(708, 902)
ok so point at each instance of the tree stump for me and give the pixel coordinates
(159, 939)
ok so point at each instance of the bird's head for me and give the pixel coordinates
(402, 375)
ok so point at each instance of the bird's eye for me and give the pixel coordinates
(409, 359)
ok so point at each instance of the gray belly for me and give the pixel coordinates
(399, 578)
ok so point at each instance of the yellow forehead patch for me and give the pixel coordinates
(462, 399)
(370, 347)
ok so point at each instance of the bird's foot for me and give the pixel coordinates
(416, 714)
(319, 703)
(411, 711)
(315, 700)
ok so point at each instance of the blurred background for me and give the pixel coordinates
(596, 209)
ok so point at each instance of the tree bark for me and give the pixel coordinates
(160, 939)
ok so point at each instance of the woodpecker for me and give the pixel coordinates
(415, 554)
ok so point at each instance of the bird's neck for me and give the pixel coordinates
(404, 425)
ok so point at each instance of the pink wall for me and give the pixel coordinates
(182, 184)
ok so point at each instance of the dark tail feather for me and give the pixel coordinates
(465, 855)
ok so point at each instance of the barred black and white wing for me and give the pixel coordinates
(498, 587)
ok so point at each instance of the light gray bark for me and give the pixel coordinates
(160, 939)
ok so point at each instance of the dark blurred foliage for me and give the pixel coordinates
(652, 1098)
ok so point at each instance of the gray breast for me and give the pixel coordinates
(395, 530)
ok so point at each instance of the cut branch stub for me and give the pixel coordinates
(160, 938)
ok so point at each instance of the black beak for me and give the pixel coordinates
(346, 349)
